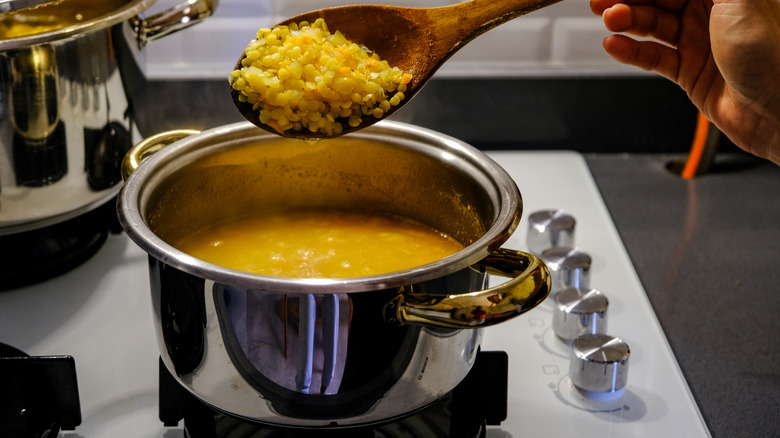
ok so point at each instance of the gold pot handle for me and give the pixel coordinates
(529, 285)
(149, 146)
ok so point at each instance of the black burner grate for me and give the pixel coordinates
(38, 394)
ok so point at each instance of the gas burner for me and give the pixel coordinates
(478, 401)
(37, 255)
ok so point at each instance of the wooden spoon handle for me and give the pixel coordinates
(460, 23)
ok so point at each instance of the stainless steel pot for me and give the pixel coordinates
(324, 353)
(66, 119)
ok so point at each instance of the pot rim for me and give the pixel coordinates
(127, 10)
(505, 221)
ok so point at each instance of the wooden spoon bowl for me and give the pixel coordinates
(416, 40)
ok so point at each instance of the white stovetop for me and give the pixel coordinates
(100, 313)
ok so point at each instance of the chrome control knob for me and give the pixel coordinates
(569, 267)
(579, 311)
(599, 365)
(549, 228)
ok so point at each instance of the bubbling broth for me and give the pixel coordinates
(319, 243)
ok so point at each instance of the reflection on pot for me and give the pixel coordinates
(313, 359)
(34, 97)
(69, 126)
(294, 349)
(297, 342)
(104, 150)
(39, 141)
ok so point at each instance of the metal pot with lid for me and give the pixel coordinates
(325, 352)
(66, 117)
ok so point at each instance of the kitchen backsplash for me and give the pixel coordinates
(563, 39)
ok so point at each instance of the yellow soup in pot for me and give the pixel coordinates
(319, 243)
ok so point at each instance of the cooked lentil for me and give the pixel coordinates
(303, 78)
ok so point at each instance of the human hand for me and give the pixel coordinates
(724, 53)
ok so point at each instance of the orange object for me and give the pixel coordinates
(697, 148)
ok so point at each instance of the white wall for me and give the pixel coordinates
(562, 39)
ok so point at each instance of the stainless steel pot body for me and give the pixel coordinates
(66, 119)
(325, 353)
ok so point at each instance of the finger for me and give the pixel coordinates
(599, 6)
(647, 55)
(673, 6)
(643, 21)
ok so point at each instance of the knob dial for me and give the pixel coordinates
(549, 228)
(569, 267)
(599, 365)
(579, 311)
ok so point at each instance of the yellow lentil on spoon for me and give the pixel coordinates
(302, 78)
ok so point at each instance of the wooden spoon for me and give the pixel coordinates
(416, 40)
